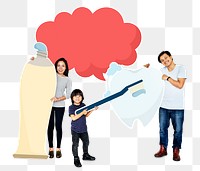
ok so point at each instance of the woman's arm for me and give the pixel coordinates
(61, 98)
(68, 92)
(56, 99)
(68, 88)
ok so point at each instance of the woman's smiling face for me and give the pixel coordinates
(61, 67)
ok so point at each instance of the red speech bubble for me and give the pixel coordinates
(90, 41)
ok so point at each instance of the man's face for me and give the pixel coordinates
(166, 60)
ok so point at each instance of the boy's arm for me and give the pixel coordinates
(88, 113)
(75, 117)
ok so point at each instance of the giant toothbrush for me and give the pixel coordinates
(37, 87)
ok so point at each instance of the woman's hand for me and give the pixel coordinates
(54, 99)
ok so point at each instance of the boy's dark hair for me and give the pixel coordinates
(66, 64)
(162, 53)
(75, 93)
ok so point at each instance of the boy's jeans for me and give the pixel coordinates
(75, 142)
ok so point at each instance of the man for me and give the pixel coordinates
(172, 106)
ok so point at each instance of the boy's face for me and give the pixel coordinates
(77, 99)
(166, 60)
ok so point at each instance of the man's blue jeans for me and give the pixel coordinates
(177, 118)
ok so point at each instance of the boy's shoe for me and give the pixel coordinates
(86, 156)
(77, 162)
(51, 154)
(58, 154)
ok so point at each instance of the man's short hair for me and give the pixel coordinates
(162, 53)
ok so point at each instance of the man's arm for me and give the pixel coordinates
(176, 83)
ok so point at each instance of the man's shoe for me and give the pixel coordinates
(176, 156)
(51, 154)
(86, 156)
(77, 162)
(58, 154)
(162, 152)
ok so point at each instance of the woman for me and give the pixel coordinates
(64, 83)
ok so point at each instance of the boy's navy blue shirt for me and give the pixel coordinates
(79, 125)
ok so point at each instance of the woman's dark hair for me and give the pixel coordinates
(162, 53)
(66, 64)
(75, 93)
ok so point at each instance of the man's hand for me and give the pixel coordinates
(164, 77)
(147, 65)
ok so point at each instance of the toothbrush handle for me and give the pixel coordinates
(100, 102)
(107, 99)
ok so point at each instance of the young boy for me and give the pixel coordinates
(79, 127)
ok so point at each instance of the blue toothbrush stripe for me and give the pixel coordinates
(107, 99)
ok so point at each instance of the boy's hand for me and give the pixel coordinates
(84, 112)
(96, 107)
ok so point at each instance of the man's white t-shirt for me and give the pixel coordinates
(173, 97)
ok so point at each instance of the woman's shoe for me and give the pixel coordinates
(51, 154)
(58, 154)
